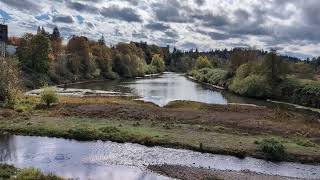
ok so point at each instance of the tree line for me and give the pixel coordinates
(45, 60)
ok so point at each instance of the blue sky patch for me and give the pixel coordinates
(5, 15)
(80, 19)
(42, 17)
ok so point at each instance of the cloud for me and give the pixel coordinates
(23, 5)
(62, 19)
(81, 7)
(290, 25)
(170, 11)
(157, 26)
(125, 14)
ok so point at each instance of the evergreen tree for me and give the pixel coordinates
(102, 41)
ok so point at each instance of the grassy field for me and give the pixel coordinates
(233, 130)
(8, 172)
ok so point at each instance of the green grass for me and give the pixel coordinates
(213, 139)
(8, 172)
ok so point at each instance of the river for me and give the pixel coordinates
(169, 87)
(98, 160)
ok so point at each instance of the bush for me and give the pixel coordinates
(34, 174)
(149, 69)
(251, 86)
(158, 63)
(49, 96)
(7, 171)
(211, 76)
(272, 149)
(9, 81)
(294, 91)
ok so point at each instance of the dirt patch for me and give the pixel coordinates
(254, 120)
(190, 173)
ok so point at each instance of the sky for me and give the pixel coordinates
(290, 26)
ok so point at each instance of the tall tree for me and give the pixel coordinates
(56, 42)
(274, 68)
(102, 41)
(79, 56)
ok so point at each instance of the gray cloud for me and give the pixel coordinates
(23, 5)
(125, 14)
(63, 19)
(157, 26)
(200, 2)
(171, 11)
(81, 7)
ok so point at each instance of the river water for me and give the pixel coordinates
(121, 161)
(168, 87)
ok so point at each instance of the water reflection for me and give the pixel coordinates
(108, 160)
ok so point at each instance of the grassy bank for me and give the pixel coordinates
(232, 130)
(291, 90)
(8, 172)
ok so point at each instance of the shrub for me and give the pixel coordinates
(49, 96)
(7, 171)
(251, 86)
(211, 76)
(149, 69)
(272, 149)
(158, 63)
(34, 174)
(9, 81)
(305, 93)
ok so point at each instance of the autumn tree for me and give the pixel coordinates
(9, 81)
(202, 62)
(79, 61)
(56, 42)
(103, 57)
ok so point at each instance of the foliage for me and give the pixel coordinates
(103, 57)
(34, 174)
(302, 70)
(158, 63)
(128, 61)
(241, 56)
(149, 69)
(272, 149)
(9, 81)
(7, 171)
(251, 86)
(274, 68)
(80, 62)
(299, 92)
(202, 62)
(49, 96)
(211, 76)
